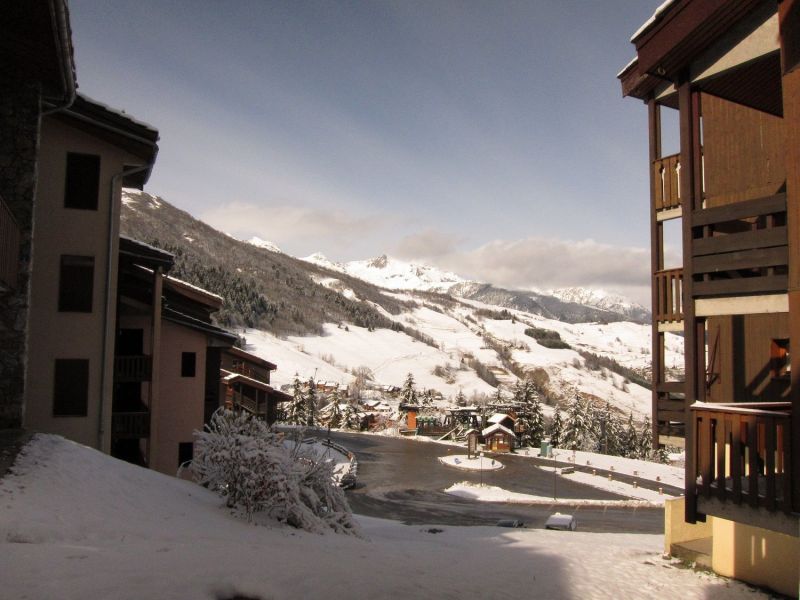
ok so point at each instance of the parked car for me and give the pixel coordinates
(510, 523)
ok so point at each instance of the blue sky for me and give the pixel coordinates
(489, 138)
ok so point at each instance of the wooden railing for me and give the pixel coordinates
(9, 247)
(743, 454)
(666, 173)
(740, 248)
(130, 425)
(132, 368)
(669, 291)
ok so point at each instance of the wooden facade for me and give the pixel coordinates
(735, 189)
(244, 384)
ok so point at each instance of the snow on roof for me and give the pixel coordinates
(499, 418)
(119, 112)
(654, 18)
(495, 428)
(194, 287)
(633, 61)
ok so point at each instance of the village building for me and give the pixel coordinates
(245, 385)
(731, 70)
(498, 438)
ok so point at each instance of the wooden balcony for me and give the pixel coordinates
(666, 175)
(9, 247)
(743, 463)
(130, 425)
(132, 368)
(669, 296)
(740, 248)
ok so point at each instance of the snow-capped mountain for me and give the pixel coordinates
(601, 299)
(392, 273)
(265, 244)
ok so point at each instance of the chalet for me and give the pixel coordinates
(498, 438)
(245, 385)
(730, 69)
(503, 419)
(166, 359)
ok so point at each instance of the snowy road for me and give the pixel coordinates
(403, 480)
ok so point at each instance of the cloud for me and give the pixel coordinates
(427, 245)
(296, 229)
(544, 263)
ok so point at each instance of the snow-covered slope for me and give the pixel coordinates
(265, 244)
(392, 273)
(79, 524)
(600, 299)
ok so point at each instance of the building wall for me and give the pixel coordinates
(742, 357)
(19, 144)
(178, 410)
(757, 556)
(53, 334)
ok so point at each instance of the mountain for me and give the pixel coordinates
(266, 245)
(391, 273)
(604, 301)
(314, 319)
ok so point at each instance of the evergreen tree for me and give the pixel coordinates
(577, 428)
(408, 395)
(311, 403)
(646, 440)
(335, 416)
(556, 429)
(297, 414)
(630, 439)
(350, 419)
(461, 399)
(498, 397)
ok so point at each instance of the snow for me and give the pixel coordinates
(491, 493)
(652, 20)
(479, 463)
(78, 524)
(265, 244)
(391, 273)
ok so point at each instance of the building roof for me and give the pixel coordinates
(36, 45)
(250, 357)
(225, 337)
(231, 377)
(117, 128)
(194, 292)
(144, 254)
(497, 428)
(499, 418)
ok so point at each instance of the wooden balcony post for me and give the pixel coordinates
(155, 355)
(656, 260)
(789, 34)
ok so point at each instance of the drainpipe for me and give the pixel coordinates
(109, 298)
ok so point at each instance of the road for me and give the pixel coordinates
(402, 479)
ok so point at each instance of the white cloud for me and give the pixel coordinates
(545, 263)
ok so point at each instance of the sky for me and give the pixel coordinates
(487, 138)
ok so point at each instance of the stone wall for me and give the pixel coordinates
(19, 145)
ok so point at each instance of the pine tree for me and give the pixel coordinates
(350, 419)
(646, 440)
(577, 429)
(498, 397)
(461, 399)
(556, 430)
(297, 414)
(630, 440)
(408, 395)
(335, 417)
(311, 403)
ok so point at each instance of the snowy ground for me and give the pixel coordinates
(462, 461)
(491, 493)
(77, 524)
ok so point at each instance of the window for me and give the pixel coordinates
(185, 452)
(82, 181)
(780, 358)
(76, 284)
(188, 364)
(71, 387)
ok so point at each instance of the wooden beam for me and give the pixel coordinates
(740, 210)
(746, 240)
(656, 259)
(735, 287)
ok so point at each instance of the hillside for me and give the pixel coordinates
(318, 321)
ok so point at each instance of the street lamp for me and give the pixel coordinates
(555, 476)
(481, 469)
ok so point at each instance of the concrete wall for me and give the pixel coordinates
(757, 556)
(19, 144)
(677, 530)
(53, 334)
(178, 410)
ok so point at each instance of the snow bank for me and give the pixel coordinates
(77, 524)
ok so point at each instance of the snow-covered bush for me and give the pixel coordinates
(257, 470)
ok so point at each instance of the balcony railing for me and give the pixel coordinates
(9, 247)
(669, 291)
(740, 248)
(666, 174)
(130, 425)
(133, 368)
(743, 454)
